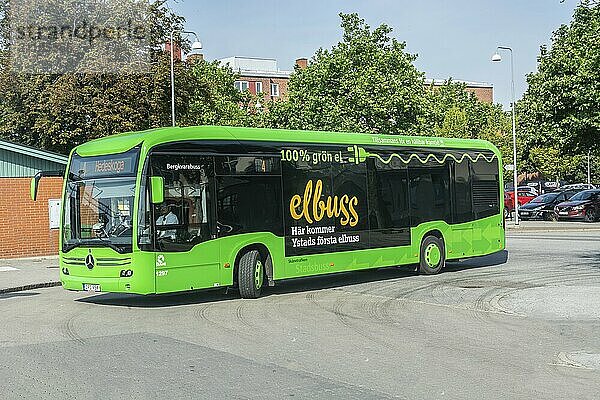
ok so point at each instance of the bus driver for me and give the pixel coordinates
(167, 217)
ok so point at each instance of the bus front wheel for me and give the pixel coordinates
(433, 255)
(251, 272)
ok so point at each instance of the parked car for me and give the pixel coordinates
(531, 189)
(542, 207)
(528, 189)
(584, 205)
(524, 198)
(578, 186)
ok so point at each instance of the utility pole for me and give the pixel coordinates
(589, 167)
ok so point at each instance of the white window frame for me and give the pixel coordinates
(258, 86)
(274, 89)
(241, 85)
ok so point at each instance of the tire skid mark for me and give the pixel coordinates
(239, 315)
(356, 322)
(68, 329)
(202, 314)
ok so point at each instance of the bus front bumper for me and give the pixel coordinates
(111, 285)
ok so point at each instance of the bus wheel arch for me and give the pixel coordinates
(432, 253)
(265, 258)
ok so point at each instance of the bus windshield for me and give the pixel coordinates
(98, 212)
(99, 199)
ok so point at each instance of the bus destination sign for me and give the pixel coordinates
(105, 166)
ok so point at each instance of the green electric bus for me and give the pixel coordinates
(178, 209)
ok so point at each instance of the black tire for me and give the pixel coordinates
(553, 217)
(251, 273)
(432, 255)
(548, 216)
(590, 215)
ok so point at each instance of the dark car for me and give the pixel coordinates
(584, 205)
(542, 207)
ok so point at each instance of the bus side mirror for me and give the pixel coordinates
(157, 189)
(33, 187)
(35, 181)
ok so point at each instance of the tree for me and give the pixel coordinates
(455, 112)
(365, 83)
(561, 107)
(60, 111)
(214, 99)
(556, 166)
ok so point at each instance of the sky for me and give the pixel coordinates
(453, 38)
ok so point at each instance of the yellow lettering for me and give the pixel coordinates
(307, 195)
(316, 200)
(294, 204)
(313, 208)
(353, 203)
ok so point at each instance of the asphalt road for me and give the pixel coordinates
(483, 329)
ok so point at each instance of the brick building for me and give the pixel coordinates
(259, 75)
(262, 75)
(25, 228)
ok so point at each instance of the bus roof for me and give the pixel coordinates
(125, 141)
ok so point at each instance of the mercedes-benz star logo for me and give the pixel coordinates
(89, 261)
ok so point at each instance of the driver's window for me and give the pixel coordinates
(182, 219)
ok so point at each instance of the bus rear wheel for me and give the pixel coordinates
(251, 272)
(433, 255)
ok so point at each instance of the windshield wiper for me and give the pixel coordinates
(95, 242)
(108, 243)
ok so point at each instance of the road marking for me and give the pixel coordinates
(6, 269)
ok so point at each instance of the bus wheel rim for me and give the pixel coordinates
(432, 255)
(258, 275)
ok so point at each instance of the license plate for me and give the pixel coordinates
(90, 287)
(563, 213)
(524, 212)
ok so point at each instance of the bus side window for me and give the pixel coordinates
(388, 196)
(429, 194)
(248, 194)
(463, 202)
(387, 187)
(249, 204)
(486, 188)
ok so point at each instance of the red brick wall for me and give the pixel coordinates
(485, 94)
(24, 224)
(266, 83)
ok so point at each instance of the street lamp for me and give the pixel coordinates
(589, 168)
(497, 58)
(195, 46)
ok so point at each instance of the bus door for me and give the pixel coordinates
(462, 210)
(187, 254)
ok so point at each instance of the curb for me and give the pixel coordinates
(549, 229)
(29, 287)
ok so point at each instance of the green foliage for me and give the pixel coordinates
(557, 166)
(456, 112)
(365, 83)
(561, 108)
(215, 100)
(57, 112)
